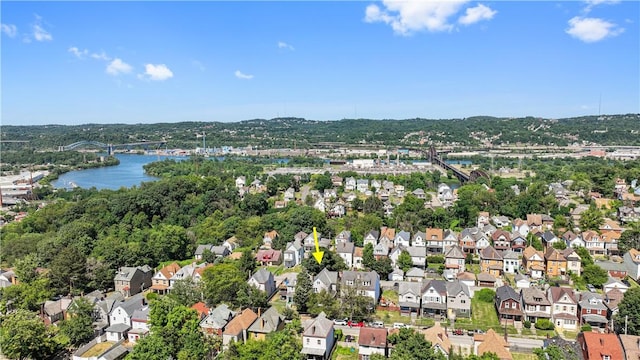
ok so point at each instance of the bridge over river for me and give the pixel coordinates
(111, 147)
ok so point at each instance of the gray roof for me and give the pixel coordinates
(421, 234)
(382, 250)
(490, 253)
(404, 235)
(592, 301)
(455, 253)
(296, 244)
(610, 265)
(218, 317)
(119, 328)
(417, 251)
(595, 318)
(506, 292)
(485, 276)
(456, 287)
(268, 322)
(534, 296)
(345, 248)
(415, 272)
(141, 314)
(132, 304)
(262, 276)
(201, 248)
(440, 286)
(320, 327)
(126, 273)
(374, 233)
(405, 287)
(110, 302)
(344, 234)
(219, 250)
(370, 276)
(327, 277)
(115, 353)
(510, 254)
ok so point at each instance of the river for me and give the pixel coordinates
(128, 173)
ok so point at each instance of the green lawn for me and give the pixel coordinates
(390, 317)
(527, 332)
(484, 314)
(344, 353)
(570, 335)
(390, 295)
(543, 333)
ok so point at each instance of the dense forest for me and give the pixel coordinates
(302, 133)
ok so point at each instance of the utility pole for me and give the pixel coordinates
(626, 322)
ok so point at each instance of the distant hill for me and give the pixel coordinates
(302, 133)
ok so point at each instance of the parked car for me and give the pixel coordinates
(470, 332)
(399, 325)
(340, 321)
(377, 324)
(349, 338)
(591, 288)
(356, 324)
(458, 332)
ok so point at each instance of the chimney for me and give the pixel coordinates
(601, 342)
(313, 329)
(440, 337)
(259, 311)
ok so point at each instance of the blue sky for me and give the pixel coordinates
(147, 62)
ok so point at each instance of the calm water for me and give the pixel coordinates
(128, 173)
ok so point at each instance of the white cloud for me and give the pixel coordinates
(593, 3)
(9, 29)
(240, 75)
(117, 67)
(592, 29)
(407, 17)
(39, 32)
(284, 45)
(158, 72)
(475, 14)
(100, 56)
(80, 54)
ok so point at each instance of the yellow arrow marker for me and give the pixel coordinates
(318, 254)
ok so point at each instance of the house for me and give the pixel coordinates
(266, 323)
(371, 238)
(336, 181)
(123, 311)
(483, 219)
(318, 338)
(534, 221)
(501, 221)
(533, 262)
(435, 240)
(434, 298)
(535, 304)
(139, 325)
(402, 239)
(458, 300)
(236, 329)
(263, 280)
(632, 261)
(345, 251)
(357, 258)
(289, 195)
(199, 272)
(564, 307)
(187, 271)
(522, 281)
(409, 294)
(287, 287)
(376, 184)
(414, 274)
(518, 242)
(467, 278)
(161, 281)
(501, 240)
(491, 342)
(491, 261)
(573, 240)
(350, 184)
(54, 311)
(555, 263)
(319, 204)
(344, 236)
(418, 256)
(269, 257)
(611, 240)
(372, 341)
(508, 304)
(132, 280)
(593, 242)
(548, 239)
(269, 238)
(419, 239)
(219, 251)
(510, 262)
(450, 239)
(488, 230)
(574, 265)
(521, 227)
(630, 346)
(396, 275)
(596, 346)
(387, 236)
(612, 299)
(241, 181)
(445, 195)
(380, 251)
(365, 283)
(293, 254)
(117, 332)
(330, 194)
(362, 185)
(454, 260)
(326, 280)
(592, 310)
(439, 339)
(309, 243)
(399, 190)
(467, 241)
(215, 322)
(231, 243)
(101, 310)
(614, 283)
(616, 270)
(486, 280)
(482, 241)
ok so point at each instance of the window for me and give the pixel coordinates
(318, 341)
(506, 305)
(463, 301)
(349, 282)
(606, 357)
(588, 311)
(308, 341)
(564, 308)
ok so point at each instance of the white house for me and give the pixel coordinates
(402, 238)
(345, 250)
(419, 239)
(263, 280)
(293, 254)
(326, 280)
(366, 283)
(318, 338)
(632, 261)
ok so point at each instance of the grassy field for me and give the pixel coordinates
(390, 295)
(98, 349)
(390, 317)
(343, 353)
(522, 356)
(570, 335)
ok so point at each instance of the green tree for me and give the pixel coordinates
(24, 336)
(585, 257)
(186, 292)
(382, 267)
(221, 283)
(367, 256)
(404, 261)
(411, 345)
(78, 328)
(247, 262)
(28, 296)
(629, 313)
(594, 274)
(322, 181)
(373, 205)
(324, 302)
(25, 268)
(251, 297)
(304, 290)
(630, 239)
(560, 245)
(68, 271)
(591, 219)
(330, 260)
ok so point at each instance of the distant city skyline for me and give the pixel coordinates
(149, 62)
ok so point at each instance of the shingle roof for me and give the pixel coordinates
(592, 301)
(490, 253)
(558, 292)
(415, 272)
(201, 248)
(240, 322)
(370, 276)
(170, 270)
(486, 277)
(510, 254)
(492, 342)
(598, 345)
(456, 287)
(218, 318)
(327, 277)
(529, 296)
(409, 287)
(465, 275)
(373, 337)
(404, 235)
(132, 304)
(320, 327)
(345, 248)
(455, 253)
(506, 292)
(631, 346)
(417, 251)
(438, 285)
(262, 276)
(374, 233)
(268, 322)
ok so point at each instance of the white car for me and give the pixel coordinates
(340, 322)
(377, 324)
(399, 325)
